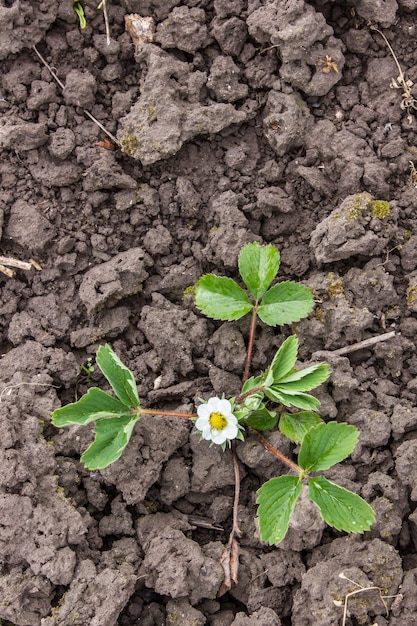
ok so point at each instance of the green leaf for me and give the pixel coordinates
(112, 437)
(78, 9)
(305, 379)
(294, 426)
(327, 444)
(339, 507)
(253, 402)
(258, 266)
(95, 405)
(119, 376)
(285, 303)
(277, 499)
(221, 298)
(284, 360)
(292, 398)
(262, 419)
(252, 382)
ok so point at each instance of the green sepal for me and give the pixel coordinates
(339, 507)
(119, 376)
(285, 358)
(262, 419)
(111, 438)
(277, 499)
(285, 303)
(327, 444)
(294, 426)
(292, 398)
(258, 266)
(221, 298)
(94, 405)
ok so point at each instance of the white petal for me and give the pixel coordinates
(202, 422)
(231, 419)
(230, 431)
(206, 433)
(219, 436)
(204, 411)
(224, 406)
(213, 403)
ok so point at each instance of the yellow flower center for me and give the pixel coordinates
(218, 421)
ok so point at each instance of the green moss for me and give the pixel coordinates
(335, 286)
(129, 143)
(380, 209)
(151, 113)
(359, 204)
(319, 315)
(393, 312)
(152, 506)
(411, 295)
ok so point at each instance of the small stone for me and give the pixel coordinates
(28, 227)
(62, 143)
(80, 89)
(141, 29)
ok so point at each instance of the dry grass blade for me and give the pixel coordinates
(229, 560)
(61, 84)
(401, 82)
(11, 262)
(361, 589)
(5, 270)
(366, 343)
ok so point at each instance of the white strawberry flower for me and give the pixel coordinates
(216, 421)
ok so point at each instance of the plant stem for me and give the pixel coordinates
(250, 343)
(250, 392)
(278, 454)
(168, 413)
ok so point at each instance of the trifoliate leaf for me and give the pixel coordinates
(119, 376)
(292, 398)
(262, 419)
(258, 266)
(111, 438)
(327, 444)
(285, 303)
(284, 360)
(339, 507)
(294, 426)
(305, 379)
(277, 499)
(95, 405)
(221, 298)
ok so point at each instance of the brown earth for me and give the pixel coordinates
(240, 120)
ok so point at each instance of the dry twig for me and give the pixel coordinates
(61, 84)
(366, 343)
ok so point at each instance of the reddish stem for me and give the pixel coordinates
(250, 392)
(276, 453)
(250, 343)
(168, 413)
